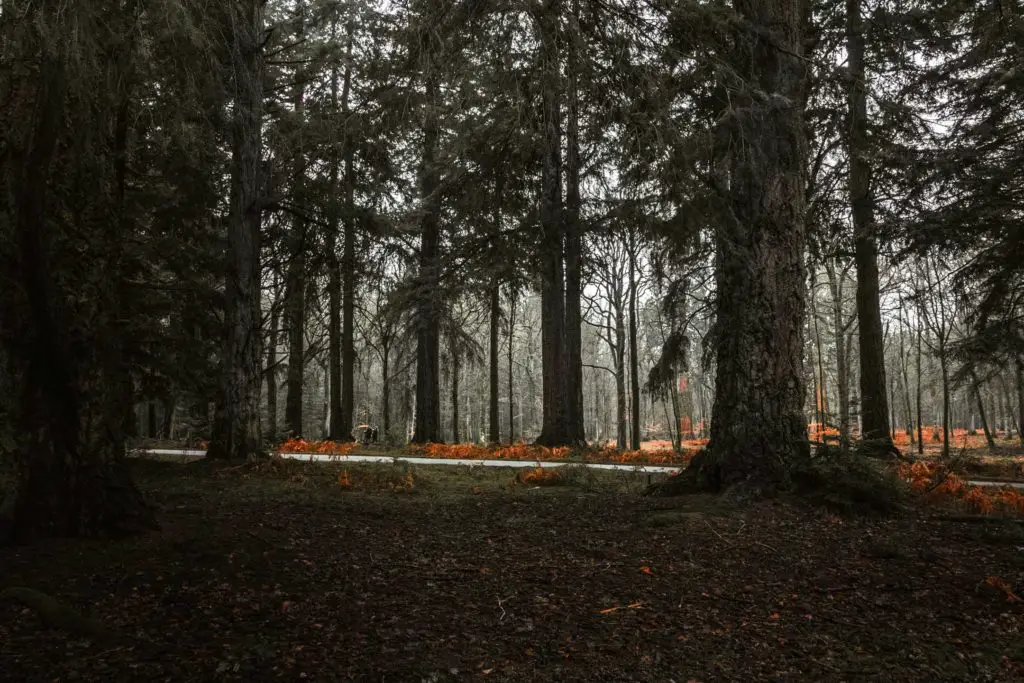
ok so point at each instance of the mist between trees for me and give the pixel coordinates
(567, 222)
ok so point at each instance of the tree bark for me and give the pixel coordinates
(573, 241)
(428, 315)
(455, 398)
(976, 386)
(758, 428)
(63, 370)
(1020, 400)
(494, 428)
(236, 433)
(272, 364)
(335, 285)
(348, 348)
(920, 418)
(874, 409)
(295, 302)
(634, 352)
(555, 430)
(511, 348)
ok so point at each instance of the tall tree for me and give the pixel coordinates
(236, 431)
(874, 402)
(295, 298)
(348, 261)
(62, 269)
(758, 428)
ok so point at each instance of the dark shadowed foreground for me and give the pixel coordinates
(285, 573)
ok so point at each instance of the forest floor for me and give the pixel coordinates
(297, 571)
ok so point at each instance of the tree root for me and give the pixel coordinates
(56, 615)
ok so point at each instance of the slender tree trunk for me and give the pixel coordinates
(295, 299)
(272, 365)
(946, 428)
(634, 352)
(920, 419)
(494, 428)
(167, 428)
(976, 386)
(511, 347)
(821, 397)
(455, 398)
(758, 427)
(151, 419)
(619, 354)
(428, 337)
(555, 430)
(573, 240)
(874, 404)
(1020, 400)
(348, 263)
(385, 398)
(236, 431)
(836, 283)
(335, 285)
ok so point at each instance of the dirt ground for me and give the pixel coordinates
(297, 571)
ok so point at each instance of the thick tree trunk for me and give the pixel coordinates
(236, 431)
(167, 428)
(494, 428)
(758, 428)
(67, 408)
(428, 335)
(348, 347)
(874, 409)
(555, 430)
(573, 242)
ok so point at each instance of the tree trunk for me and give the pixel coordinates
(758, 428)
(455, 398)
(167, 428)
(67, 408)
(920, 419)
(874, 408)
(976, 386)
(272, 365)
(573, 242)
(511, 387)
(1020, 400)
(348, 348)
(385, 397)
(494, 428)
(295, 299)
(946, 429)
(619, 353)
(634, 352)
(335, 285)
(555, 430)
(151, 419)
(837, 285)
(236, 432)
(821, 395)
(428, 336)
